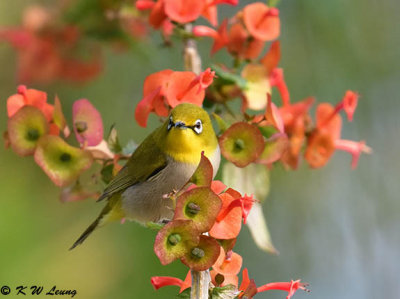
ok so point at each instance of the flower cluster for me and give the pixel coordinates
(47, 51)
(52, 43)
(281, 134)
(205, 207)
(230, 288)
(166, 14)
(36, 127)
(166, 89)
(203, 232)
(245, 34)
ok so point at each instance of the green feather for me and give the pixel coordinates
(145, 162)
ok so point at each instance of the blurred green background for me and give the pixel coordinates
(336, 228)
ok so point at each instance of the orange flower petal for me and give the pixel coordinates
(183, 11)
(228, 264)
(181, 90)
(228, 227)
(262, 22)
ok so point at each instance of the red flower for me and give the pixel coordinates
(228, 263)
(220, 37)
(29, 97)
(46, 51)
(325, 138)
(167, 89)
(181, 88)
(162, 281)
(241, 44)
(296, 120)
(290, 287)
(249, 289)
(354, 148)
(183, 11)
(210, 9)
(262, 21)
(229, 220)
(350, 101)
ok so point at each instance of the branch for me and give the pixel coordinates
(191, 57)
(192, 60)
(200, 284)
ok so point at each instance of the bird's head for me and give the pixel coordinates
(189, 131)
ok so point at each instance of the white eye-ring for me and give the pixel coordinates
(170, 124)
(198, 126)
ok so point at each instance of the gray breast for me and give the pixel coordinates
(146, 201)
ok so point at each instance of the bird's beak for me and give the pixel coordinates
(180, 125)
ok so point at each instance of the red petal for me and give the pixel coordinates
(187, 282)
(183, 11)
(228, 266)
(217, 187)
(180, 90)
(162, 281)
(201, 30)
(144, 107)
(262, 22)
(229, 227)
(84, 112)
(245, 280)
(350, 101)
(14, 103)
(271, 59)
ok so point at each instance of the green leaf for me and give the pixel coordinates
(107, 173)
(222, 124)
(225, 78)
(185, 294)
(267, 131)
(113, 141)
(227, 292)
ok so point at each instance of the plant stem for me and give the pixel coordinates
(192, 61)
(191, 56)
(200, 284)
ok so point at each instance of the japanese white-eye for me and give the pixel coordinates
(162, 163)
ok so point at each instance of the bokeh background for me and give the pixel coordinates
(336, 228)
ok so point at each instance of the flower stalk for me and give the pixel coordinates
(192, 61)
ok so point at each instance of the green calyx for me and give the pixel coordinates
(201, 205)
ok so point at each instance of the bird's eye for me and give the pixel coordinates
(198, 126)
(170, 124)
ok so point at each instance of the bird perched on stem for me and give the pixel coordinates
(162, 163)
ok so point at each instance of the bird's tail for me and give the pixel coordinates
(87, 232)
(112, 211)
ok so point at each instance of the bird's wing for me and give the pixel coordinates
(146, 162)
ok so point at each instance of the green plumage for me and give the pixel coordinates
(146, 161)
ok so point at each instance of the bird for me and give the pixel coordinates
(163, 163)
